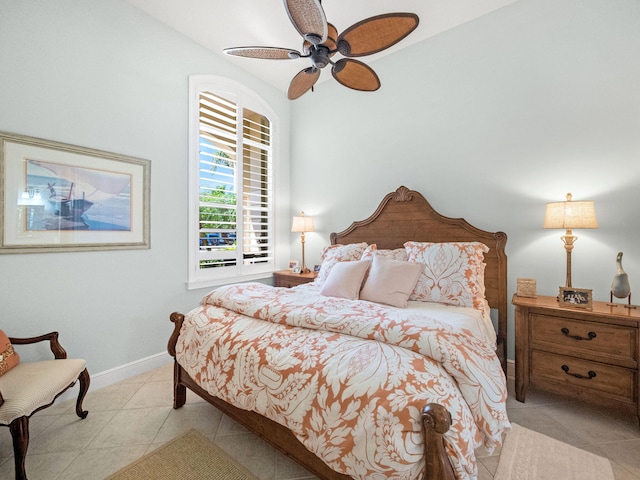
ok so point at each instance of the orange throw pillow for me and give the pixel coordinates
(9, 358)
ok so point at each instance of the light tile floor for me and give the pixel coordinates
(135, 416)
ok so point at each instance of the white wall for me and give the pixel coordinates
(101, 74)
(489, 122)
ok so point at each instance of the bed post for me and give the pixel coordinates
(436, 420)
(179, 390)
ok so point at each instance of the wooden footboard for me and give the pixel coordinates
(436, 420)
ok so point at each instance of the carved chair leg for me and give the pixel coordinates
(20, 434)
(85, 380)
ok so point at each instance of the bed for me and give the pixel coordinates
(388, 385)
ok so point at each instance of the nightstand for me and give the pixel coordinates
(586, 354)
(286, 278)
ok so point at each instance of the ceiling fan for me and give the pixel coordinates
(322, 42)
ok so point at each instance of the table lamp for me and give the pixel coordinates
(569, 215)
(301, 225)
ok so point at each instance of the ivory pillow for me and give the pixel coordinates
(9, 358)
(390, 281)
(345, 279)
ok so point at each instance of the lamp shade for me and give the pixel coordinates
(302, 224)
(569, 215)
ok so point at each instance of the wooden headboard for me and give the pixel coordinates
(405, 215)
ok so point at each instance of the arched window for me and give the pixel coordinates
(231, 137)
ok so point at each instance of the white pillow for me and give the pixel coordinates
(390, 281)
(345, 279)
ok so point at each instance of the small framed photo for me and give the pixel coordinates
(297, 269)
(316, 268)
(575, 297)
(293, 264)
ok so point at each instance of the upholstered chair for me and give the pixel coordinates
(27, 387)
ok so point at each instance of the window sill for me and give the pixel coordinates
(217, 282)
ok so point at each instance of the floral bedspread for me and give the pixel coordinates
(348, 378)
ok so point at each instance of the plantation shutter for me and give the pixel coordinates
(235, 198)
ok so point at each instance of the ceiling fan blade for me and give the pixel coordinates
(355, 74)
(309, 19)
(374, 34)
(302, 82)
(269, 53)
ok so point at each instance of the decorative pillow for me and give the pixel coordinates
(338, 253)
(390, 281)
(453, 273)
(9, 358)
(345, 279)
(395, 254)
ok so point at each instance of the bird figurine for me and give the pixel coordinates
(620, 287)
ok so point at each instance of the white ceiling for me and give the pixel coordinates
(219, 24)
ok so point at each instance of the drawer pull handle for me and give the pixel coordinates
(565, 331)
(590, 373)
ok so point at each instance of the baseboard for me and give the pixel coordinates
(123, 372)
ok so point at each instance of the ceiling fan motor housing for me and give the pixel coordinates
(320, 56)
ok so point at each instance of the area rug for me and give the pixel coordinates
(190, 456)
(528, 455)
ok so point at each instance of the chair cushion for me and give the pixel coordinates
(31, 385)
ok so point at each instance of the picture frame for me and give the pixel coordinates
(293, 264)
(297, 269)
(57, 197)
(316, 268)
(575, 297)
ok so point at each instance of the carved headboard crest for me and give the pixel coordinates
(403, 194)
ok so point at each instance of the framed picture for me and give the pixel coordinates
(57, 197)
(316, 268)
(297, 269)
(293, 264)
(575, 297)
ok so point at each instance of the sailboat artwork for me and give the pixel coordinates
(79, 198)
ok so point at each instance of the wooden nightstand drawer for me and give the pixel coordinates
(598, 341)
(575, 373)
